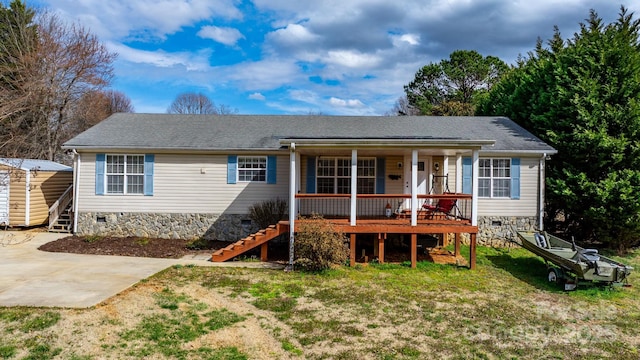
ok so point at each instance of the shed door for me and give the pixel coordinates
(4, 197)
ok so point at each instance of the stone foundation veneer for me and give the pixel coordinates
(492, 230)
(226, 227)
(499, 230)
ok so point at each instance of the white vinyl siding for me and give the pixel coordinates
(527, 205)
(185, 184)
(395, 185)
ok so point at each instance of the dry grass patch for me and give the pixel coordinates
(505, 309)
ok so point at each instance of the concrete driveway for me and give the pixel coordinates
(30, 277)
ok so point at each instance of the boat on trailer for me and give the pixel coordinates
(568, 264)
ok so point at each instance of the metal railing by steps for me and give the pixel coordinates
(261, 238)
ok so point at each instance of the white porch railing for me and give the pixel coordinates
(386, 206)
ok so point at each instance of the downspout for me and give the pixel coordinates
(76, 187)
(27, 197)
(292, 202)
(542, 191)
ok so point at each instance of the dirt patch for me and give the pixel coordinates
(131, 246)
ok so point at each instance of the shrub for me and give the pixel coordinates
(268, 212)
(318, 245)
(199, 244)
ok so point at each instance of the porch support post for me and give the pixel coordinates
(472, 251)
(352, 248)
(414, 250)
(354, 185)
(457, 245)
(292, 201)
(445, 171)
(458, 173)
(381, 238)
(474, 188)
(414, 187)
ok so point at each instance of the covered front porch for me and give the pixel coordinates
(401, 187)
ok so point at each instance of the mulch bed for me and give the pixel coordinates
(130, 246)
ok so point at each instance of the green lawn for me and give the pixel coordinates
(503, 310)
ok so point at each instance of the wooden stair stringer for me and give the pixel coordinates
(250, 242)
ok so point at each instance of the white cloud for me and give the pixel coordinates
(142, 19)
(160, 58)
(224, 35)
(262, 75)
(257, 96)
(306, 96)
(352, 59)
(351, 103)
(293, 34)
(411, 39)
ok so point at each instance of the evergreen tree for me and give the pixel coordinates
(582, 96)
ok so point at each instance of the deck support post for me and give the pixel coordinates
(352, 248)
(263, 252)
(472, 251)
(457, 245)
(414, 250)
(381, 238)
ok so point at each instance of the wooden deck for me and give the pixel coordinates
(382, 227)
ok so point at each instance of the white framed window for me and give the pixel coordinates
(252, 168)
(494, 178)
(124, 174)
(333, 176)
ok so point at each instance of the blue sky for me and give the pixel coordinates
(338, 57)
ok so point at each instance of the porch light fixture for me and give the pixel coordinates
(436, 166)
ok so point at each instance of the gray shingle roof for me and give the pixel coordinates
(264, 132)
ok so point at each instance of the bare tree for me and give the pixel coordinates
(402, 108)
(95, 106)
(51, 66)
(198, 103)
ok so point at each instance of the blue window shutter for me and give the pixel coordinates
(467, 169)
(515, 178)
(272, 169)
(100, 167)
(232, 169)
(148, 174)
(311, 175)
(380, 168)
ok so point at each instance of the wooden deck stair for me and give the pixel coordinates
(64, 223)
(258, 239)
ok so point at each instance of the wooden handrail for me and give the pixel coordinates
(62, 202)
